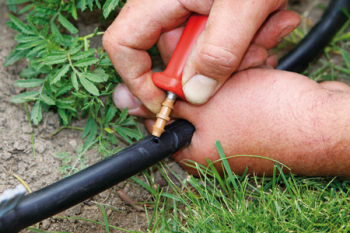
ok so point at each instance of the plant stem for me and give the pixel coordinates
(66, 127)
(30, 124)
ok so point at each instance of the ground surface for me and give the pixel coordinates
(16, 154)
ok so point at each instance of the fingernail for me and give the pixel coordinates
(199, 89)
(123, 98)
(286, 31)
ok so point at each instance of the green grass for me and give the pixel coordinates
(282, 203)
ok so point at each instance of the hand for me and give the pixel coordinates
(276, 114)
(237, 36)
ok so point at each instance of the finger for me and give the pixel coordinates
(335, 86)
(278, 25)
(123, 98)
(230, 28)
(136, 29)
(167, 43)
(272, 61)
(254, 56)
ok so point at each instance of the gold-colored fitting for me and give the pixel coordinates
(163, 115)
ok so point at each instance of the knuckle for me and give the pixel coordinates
(218, 59)
(106, 39)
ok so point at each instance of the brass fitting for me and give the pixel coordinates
(163, 115)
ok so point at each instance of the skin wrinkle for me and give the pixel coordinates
(221, 62)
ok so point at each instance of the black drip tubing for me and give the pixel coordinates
(74, 189)
(309, 48)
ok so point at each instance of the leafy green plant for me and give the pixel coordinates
(64, 73)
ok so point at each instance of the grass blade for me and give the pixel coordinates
(105, 217)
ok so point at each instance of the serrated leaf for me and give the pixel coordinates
(24, 97)
(65, 106)
(90, 4)
(56, 32)
(122, 116)
(13, 8)
(14, 56)
(92, 132)
(105, 62)
(67, 101)
(76, 49)
(95, 32)
(98, 4)
(83, 54)
(85, 62)
(89, 128)
(112, 110)
(89, 86)
(21, 26)
(101, 73)
(127, 133)
(50, 59)
(29, 83)
(25, 9)
(74, 80)
(64, 89)
(109, 6)
(62, 113)
(20, 38)
(92, 77)
(16, 1)
(46, 99)
(29, 44)
(68, 25)
(29, 72)
(74, 12)
(83, 5)
(59, 74)
(36, 113)
(53, 60)
(37, 50)
(112, 138)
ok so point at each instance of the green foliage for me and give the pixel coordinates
(64, 73)
(232, 203)
(79, 161)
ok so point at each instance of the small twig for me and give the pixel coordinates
(23, 182)
(10, 170)
(66, 127)
(30, 124)
(128, 200)
(4, 169)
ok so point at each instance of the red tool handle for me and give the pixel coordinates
(171, 78)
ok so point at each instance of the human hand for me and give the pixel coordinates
(276, 114)
(237, 36)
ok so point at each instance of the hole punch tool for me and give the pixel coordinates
(170, 79)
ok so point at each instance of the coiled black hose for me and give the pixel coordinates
(298, 59)
(72, 190)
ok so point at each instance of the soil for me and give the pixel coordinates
(16, 154)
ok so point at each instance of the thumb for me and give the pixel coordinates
(218, 52)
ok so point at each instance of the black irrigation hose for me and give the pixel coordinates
(85, 184)
(74, 189)
(298, 59)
